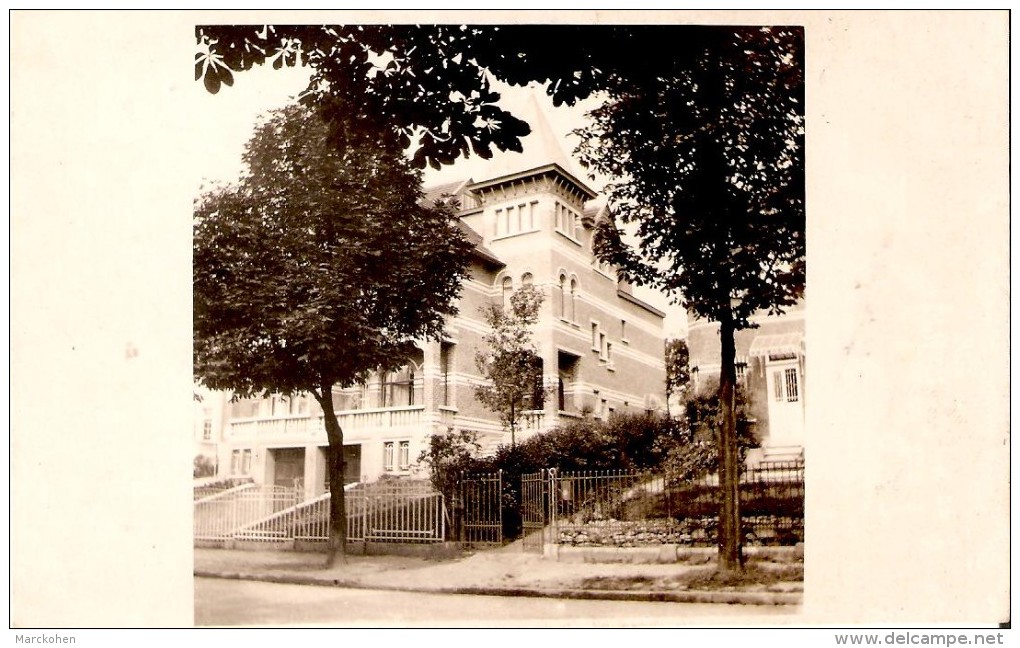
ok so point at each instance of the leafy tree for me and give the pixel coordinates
(708, 162)
(204, 466)
(318, 267)
(447, 457)
(509, 361)
(678, 371)
(695, 451)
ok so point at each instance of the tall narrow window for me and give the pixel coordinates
(573, 300)
(207, 425)
(623, 329)
(404, 455)
(594, 336)
(445, 351)
(777, 381)
(792, 392)
(388, 456)
(563, 296)
(246, 462)
(508, 288)
(602, 346)
(609, 353)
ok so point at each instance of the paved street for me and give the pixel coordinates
(230, 602)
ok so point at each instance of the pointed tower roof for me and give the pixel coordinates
(541, 148)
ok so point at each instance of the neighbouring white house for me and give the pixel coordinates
(770, 368)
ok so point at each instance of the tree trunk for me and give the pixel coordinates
(730, 545)
(337, 553)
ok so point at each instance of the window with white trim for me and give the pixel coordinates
(207, 425)
(566, 220)
(563, 296)
(792, 388)
(786, 386)
(515, 219)
(594, 336)
(404, 455)
(388, 456)
(240, 462)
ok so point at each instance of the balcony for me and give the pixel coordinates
(311, 429)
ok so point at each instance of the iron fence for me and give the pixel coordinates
(625, 508)
(393, 511)
(479, 508)
(222, 515)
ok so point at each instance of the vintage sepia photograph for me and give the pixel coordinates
(475, 320)
(507, 313)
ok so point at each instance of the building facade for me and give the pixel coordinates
(770, 363)
(601, 347)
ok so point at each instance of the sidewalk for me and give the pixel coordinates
(506, 571)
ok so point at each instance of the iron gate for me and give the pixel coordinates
(481, 508)
(535, 494)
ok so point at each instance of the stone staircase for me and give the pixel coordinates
(783, 453)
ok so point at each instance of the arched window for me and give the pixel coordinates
(573, 300)
(563, 296)
(527, 279)
(508, 288)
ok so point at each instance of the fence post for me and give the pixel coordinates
(499, 503)
(364, 521)
(553, 502)
(458, 509)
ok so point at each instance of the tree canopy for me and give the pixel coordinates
(709, 166)
(429, 86)
(318, 267)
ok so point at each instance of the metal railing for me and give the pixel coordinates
(398, 511)
(628, 508)
(221, 516)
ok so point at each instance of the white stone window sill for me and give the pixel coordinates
(569, 237)
(513, 234)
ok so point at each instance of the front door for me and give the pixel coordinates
(786, 403)
(352, 463)
(289, 467)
